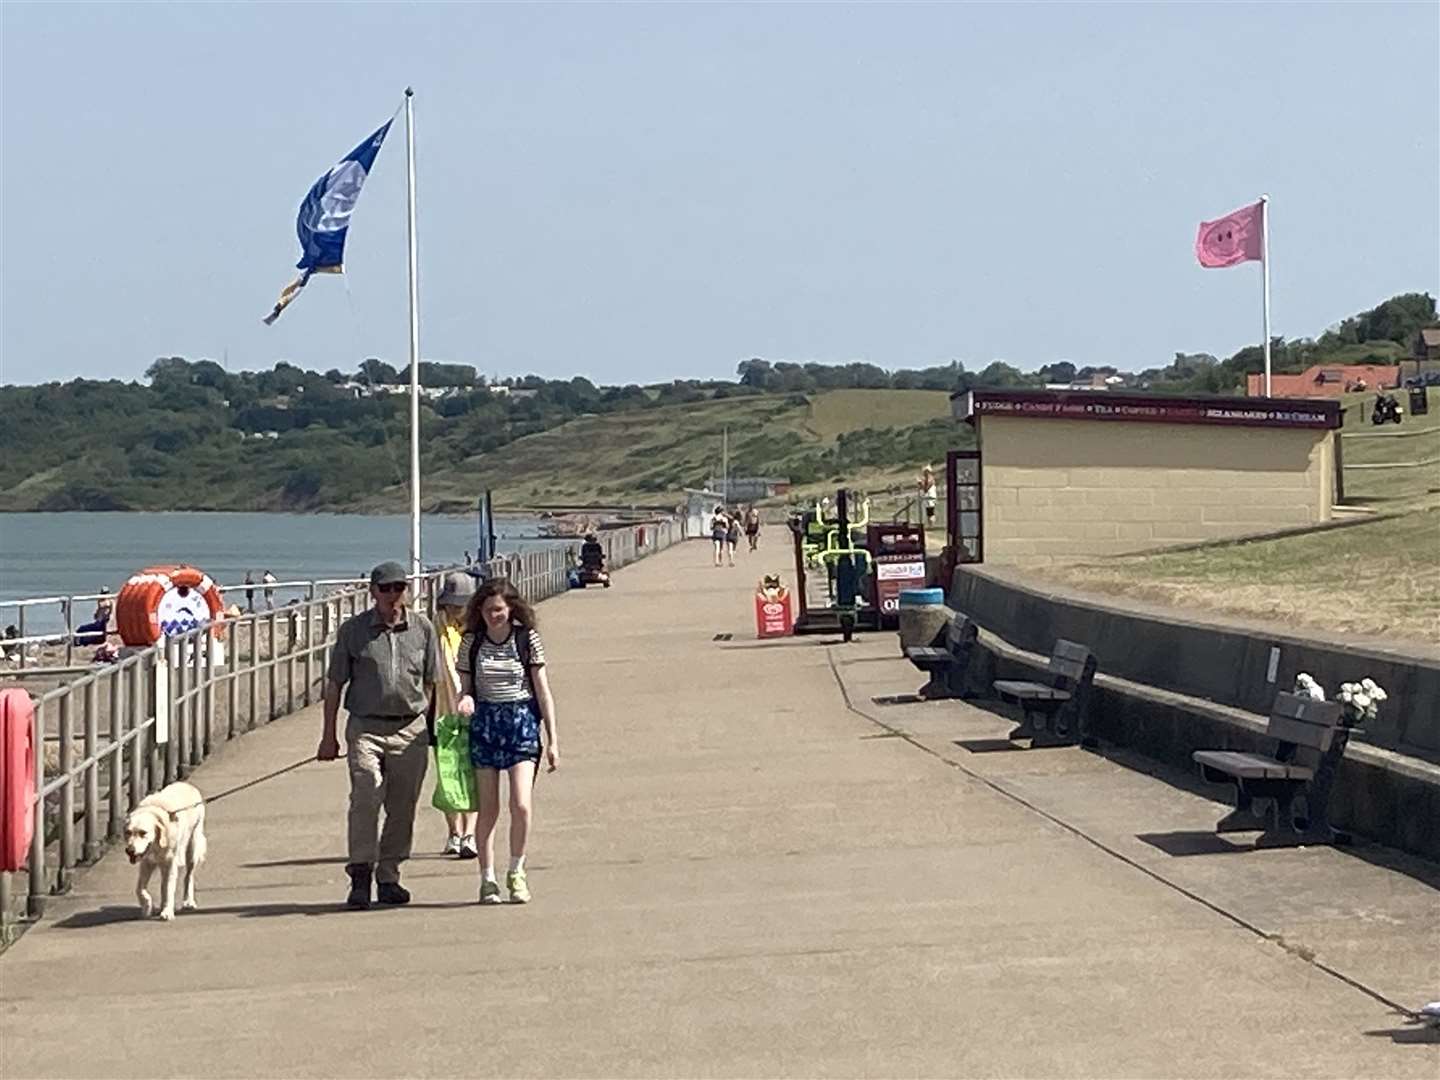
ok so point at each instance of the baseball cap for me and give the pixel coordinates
(388, 573)
(456, 590)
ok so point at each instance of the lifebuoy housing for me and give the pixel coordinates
(17, 778)
(164, 600)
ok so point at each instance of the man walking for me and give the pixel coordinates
(385, 661)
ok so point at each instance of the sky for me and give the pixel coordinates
(645, 192)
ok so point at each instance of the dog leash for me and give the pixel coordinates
(261, 779)
(241, 787)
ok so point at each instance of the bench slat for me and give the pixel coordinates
(1069, 659)
(927, 654)
(1316, 736)
(1307, 710)
(1030, 690)
(1250, 766)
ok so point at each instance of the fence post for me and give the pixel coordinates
(67, 796)
(176, 725)
(180, 717)
(91, 851)
(7, 912)
(273, 675)
(291, 629)
(138, 751)
(199, 721)
(254, 670)
(232, 684)
(117, 754)
(309, 645)
(35, 905)
(70, 630)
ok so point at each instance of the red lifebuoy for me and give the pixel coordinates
(17, 778)
(164, 600)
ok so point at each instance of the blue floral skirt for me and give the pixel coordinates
(504, 733)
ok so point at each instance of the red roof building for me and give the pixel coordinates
(1326, 381)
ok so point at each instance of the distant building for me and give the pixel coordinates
(1427, 344)
(750, 488)
(1326, 381)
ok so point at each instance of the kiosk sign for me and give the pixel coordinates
(892, 578)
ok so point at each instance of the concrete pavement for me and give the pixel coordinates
(737, 875)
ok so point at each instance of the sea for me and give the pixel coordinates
(74, 553)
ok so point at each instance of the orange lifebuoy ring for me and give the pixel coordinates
(164, 600)
(17, 778)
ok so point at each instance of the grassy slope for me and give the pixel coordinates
(1381, 577)
(650, 455)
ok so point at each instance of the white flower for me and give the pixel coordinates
(1305, 686)
(1368, 683)
(1361, 701)
(1379, 694)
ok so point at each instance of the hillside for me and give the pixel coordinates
(200, 436)
(866, 436)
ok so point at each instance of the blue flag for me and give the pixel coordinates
(324, 217)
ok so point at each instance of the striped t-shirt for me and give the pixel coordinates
(501, 676)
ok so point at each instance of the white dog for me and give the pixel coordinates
(167, 831)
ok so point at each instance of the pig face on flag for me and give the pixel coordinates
(1235, 238)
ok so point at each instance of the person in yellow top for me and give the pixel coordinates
(455, 592)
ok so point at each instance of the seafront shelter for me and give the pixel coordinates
(1067, 474)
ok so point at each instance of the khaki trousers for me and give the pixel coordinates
(387, 768)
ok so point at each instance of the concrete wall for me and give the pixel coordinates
(1225, 665)
(1057, 489)
(1380, 795)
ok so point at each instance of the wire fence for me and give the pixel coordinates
(105, 738)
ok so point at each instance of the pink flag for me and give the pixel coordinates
(1235, 238)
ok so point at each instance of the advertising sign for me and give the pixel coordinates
(774, 616)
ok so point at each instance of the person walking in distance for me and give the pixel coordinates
(385, 661)
(455, 593)
(732, 534)
(269, 580)
(249, 592)
(928, 494)
(752, 527)
(719, 530)
(503, 677)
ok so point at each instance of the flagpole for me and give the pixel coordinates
(1265, 271)
(414, 341)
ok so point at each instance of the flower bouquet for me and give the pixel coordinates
(1361, 700)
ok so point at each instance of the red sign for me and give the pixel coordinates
(774, 617)
(1142, 408)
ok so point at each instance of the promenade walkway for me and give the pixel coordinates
(737, 875)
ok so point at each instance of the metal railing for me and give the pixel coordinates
(307, 588)
(106, 739)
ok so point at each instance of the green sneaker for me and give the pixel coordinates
(489, 892)
(519, 891)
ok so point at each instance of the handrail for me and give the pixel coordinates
(108, 737)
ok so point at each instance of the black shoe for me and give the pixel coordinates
(391, 892)
(359, 898)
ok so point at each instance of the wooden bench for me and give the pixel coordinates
(1059, 705)
(947, 659)
(1286, 795)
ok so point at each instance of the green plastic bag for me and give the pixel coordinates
(454, 776)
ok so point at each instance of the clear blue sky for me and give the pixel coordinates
(645, 192)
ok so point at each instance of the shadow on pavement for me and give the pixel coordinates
(114, 913)
(1408, 1036)
(1192, 842)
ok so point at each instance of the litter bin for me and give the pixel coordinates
(923, 615)
(1419, 406)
